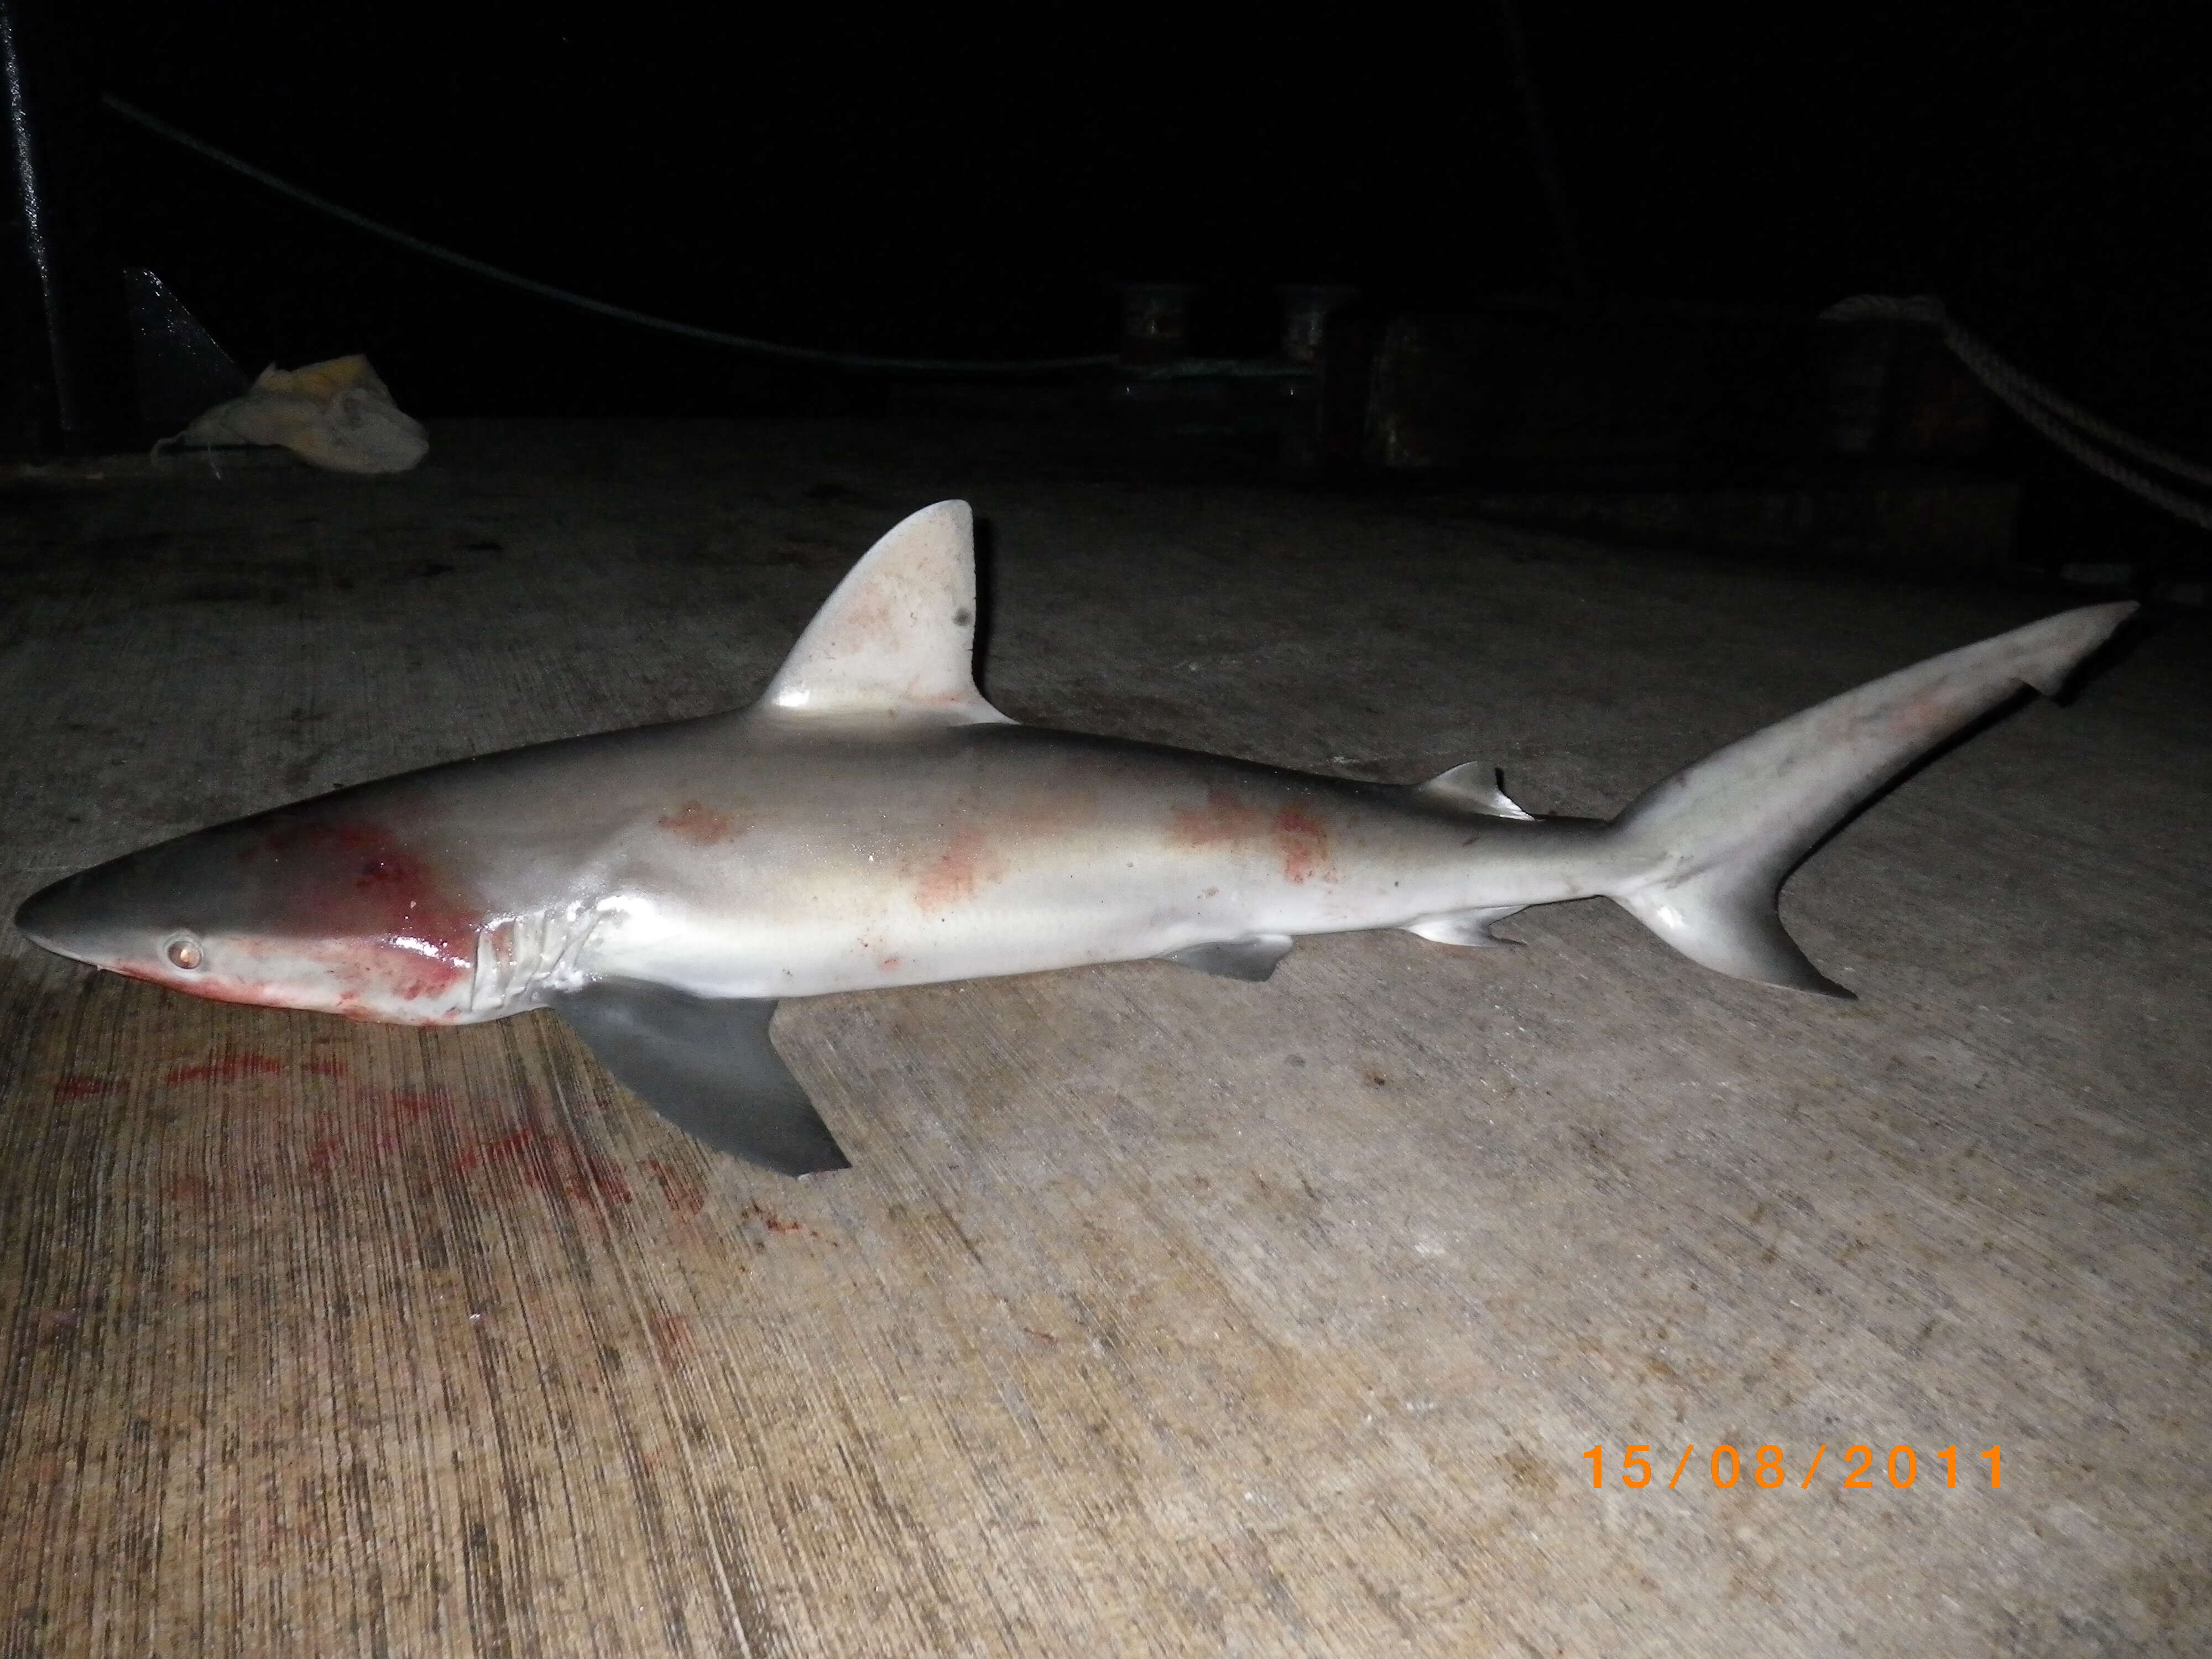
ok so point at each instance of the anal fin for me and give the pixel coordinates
(1252, 957)
(706, 1065)
(1465, 926)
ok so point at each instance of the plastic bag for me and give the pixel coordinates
(337, 415)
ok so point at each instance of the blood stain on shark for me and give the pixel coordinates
(1223, 820)
(1302, 840)
(367, 885)
(955, 874)
(703, 826)
(1295, 837)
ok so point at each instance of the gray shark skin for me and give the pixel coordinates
(873, 822)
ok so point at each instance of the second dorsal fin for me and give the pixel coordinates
(1473, 787)
(897, 639)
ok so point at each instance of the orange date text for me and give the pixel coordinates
(1858, 1467)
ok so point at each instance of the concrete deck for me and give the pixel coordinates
(1162, 1315)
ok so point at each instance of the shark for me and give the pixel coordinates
(872, 821)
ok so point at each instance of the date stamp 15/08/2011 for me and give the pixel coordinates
(1769, 1468)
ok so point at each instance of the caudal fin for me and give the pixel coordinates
(1710, 846)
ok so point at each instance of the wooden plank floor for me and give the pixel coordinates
(1161, 1314)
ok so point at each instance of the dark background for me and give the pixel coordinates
(933, 189)
(926, 189)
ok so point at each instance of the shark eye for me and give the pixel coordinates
(184, 952)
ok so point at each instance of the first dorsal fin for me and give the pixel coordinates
(897, 641)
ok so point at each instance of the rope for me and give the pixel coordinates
(852, 360)
(2059, 419)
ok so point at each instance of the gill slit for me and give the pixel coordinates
(518, 955)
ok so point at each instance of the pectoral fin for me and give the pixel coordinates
(1252, 957)
(708, 1066)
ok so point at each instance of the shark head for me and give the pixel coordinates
(316, 907)
(357, 904)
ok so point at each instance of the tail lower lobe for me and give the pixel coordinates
(1712, 845)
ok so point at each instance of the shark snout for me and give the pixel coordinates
(54, 918)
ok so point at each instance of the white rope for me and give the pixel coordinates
(2057, 418)
(583, 302)
(1990, 366)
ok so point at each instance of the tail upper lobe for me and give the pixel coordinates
(1712, 845)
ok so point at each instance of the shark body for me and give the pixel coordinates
(873, 822)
